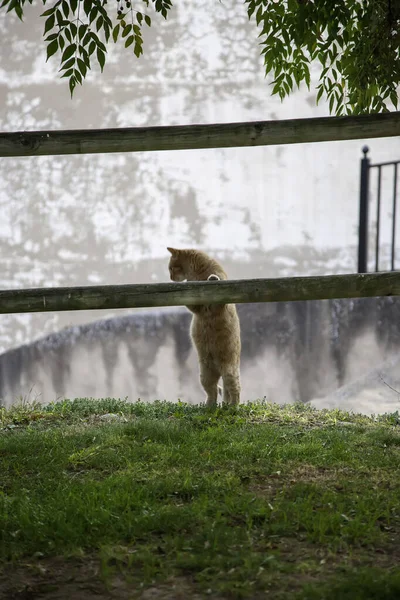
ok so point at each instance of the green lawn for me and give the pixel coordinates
(264, 501)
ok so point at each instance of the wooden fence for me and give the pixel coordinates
(190, 137)
(199, 292)
(145, 139)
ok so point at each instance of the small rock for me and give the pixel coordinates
(112, 417)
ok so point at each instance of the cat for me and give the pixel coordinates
(215, 328)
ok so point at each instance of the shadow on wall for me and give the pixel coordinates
(290, 351)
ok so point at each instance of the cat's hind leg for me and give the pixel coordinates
(209, 378)
(226, 398)
(231, 381)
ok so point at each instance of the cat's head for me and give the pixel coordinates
(193, 265)
(177, 265)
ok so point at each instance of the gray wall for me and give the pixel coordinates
(291, 351)
(81, 220)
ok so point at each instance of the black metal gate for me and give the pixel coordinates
(366, 167)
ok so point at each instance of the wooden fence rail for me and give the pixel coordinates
(191, 293)
(186, 137)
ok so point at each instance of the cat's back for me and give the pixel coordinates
(216, 330)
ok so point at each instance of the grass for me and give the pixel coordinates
(292, 501)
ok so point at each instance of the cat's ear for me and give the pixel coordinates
(172, 250)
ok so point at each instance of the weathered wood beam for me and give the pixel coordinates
(186, 137)
(207, 292)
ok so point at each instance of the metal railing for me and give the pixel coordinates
(366, 167)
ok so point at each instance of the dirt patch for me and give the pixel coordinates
(63, 579)
(298, 550)
(275, 482)
(57, 579)
(179, 589)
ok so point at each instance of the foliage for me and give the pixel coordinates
(79, 30)
(357, 43)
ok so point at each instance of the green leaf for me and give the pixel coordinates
(324, 72)
(86, 59)
(65, 8)
(51, 37)
(251, 8)
(47, 12)
(52, 49)
(49, 24)
(68, 52)
(394, 98)
(279, 78)
(98, 42)
(11, 3)
(139, 17)
(68, 64)
(306, 73)
(259, 14)
(115, 32)
(101, 58)
(67, 73)
(93, 14)
(92, 47)
(319, 95)
(18, 10)
(129, 41)
(61, 42)
(78, 76)
(82, 30)
(289, 81)
(72, 85)
(99, 23)
(87, 6)
(126, 30)
(82, 67)
(276, 89)
(268, 67)
(147, 20)
(138, 50)
(73, 29)
(73, 5)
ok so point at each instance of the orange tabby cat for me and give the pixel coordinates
(215, 329)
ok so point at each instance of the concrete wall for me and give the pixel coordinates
(291, 351)
(76, 220)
